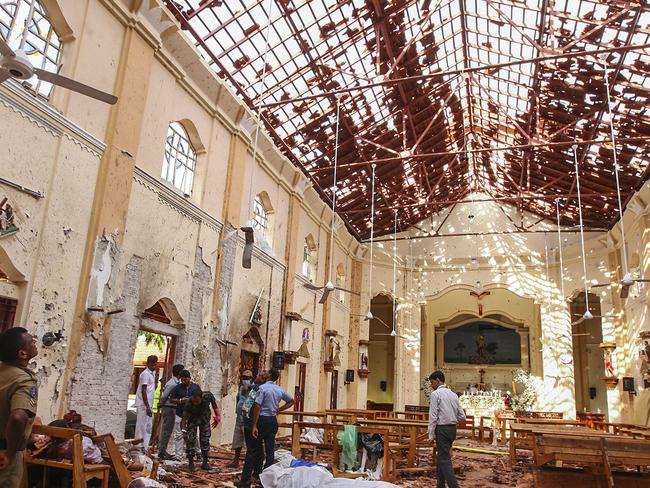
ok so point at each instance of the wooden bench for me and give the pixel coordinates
(598, 453)
(330, 431)
(405, 437)
(469, 424)
(389, 472)
(81, 472)
(522, 434)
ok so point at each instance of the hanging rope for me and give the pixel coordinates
(372, 235)
(259, 110)
(559, 246)
(395, 272)
(582, 234)
(616, 168)
(28, 20)
(336, 157)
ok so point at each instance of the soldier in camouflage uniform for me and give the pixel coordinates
(197, 415)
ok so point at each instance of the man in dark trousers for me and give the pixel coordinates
(168, 414)
(18, 397)
(196, 414)
(265, 424)
(444, 413)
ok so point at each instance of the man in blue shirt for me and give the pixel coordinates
(265, 424)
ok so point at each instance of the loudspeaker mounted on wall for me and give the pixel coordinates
(628, 384)
(592, 392)
(278, 360)
(383, 386)
(349, 376)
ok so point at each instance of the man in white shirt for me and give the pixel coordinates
(144, 401)
(171, 423)
(444, 413)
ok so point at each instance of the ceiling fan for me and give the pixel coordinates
(393, 333)
(329, 287)
(628, 280)
(16, 64)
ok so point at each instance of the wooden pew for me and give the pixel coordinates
(81, 472)
(522, 434)
(468, 424)
(388, 471)
(331, 442)
(599, 453)
(405, 437)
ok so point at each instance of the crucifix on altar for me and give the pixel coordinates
(479, 296)
(481, 381)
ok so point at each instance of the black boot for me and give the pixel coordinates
(204, 464)
(190, 464)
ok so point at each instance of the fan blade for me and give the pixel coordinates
(600, 285)
(348, 291)
(642, 281)
(70, 84)
(326, 294)
(579, 321)
(247, 255)
(5, 50)
(625, 291)
(4, 75)
(309, 286)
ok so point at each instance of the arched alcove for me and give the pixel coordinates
(381, 353)
(588, 357)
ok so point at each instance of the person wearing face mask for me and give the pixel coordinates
(238, 439)
(18, 397)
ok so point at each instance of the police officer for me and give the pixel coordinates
(197, 414)
(18, 397)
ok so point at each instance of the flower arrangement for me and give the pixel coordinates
(481, 403)
(531, 392)
(426, 387)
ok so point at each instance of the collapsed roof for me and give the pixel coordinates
(446, 97)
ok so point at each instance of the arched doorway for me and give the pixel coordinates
(588, 358)
(158, 334)
(381, 354)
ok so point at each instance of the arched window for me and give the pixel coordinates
(260, 216)
(309, 259)
(340, 282)
(41, 43)
(180, 159)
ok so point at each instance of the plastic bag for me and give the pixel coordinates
(348, 441)
(373, 443)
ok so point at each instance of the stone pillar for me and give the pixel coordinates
(113, 189)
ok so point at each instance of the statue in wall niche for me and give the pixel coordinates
(257, 316)
(609, 367)
(364, 361)
(7, 218)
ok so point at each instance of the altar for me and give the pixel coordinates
(482, 354)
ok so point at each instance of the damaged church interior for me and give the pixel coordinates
(304, 243)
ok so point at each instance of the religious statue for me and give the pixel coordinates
(257, 315)
(480, 345)
(364, 361)
(331, 349)
(609, 367)
(303, 351)
(7, 218)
